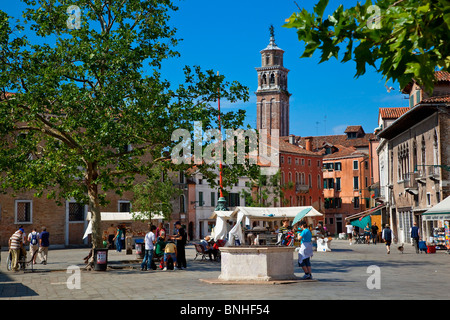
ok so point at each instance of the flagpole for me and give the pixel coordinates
(220, 132)
(221, 203)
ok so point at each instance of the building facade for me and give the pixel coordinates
(416, 152)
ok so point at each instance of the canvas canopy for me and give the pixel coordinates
(266, 214)
(115, 216)
(221, 227)
(441, 211)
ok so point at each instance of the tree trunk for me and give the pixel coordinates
(94, 205)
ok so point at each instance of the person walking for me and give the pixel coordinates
(387, 235)
(44, 243)
(180, 238)
(374, 233)
(118, 238)
(33, 238)
(149, 241)
(415, 236)
(350, 229)
(15, 244)
(306, 250)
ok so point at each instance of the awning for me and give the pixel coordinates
(121, 216)
(441, 211)
(268, 214)
(115, 216)
(364, 213)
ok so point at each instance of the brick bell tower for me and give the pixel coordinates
(272, 97)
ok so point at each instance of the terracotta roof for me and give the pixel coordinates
(7, 95)
(392, 113)
(285, 146)
(318, 141)
(353, 129)
(343, 152)
(436, 99)
(442, 76)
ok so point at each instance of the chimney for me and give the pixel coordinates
(291, 139)
(308, 141)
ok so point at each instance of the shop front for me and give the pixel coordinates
(436, 225)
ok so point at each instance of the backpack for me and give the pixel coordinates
(34, 238)
(387, 235)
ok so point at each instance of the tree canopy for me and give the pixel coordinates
(402, 40)
(85, 110)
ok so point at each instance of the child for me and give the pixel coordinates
(170, 251)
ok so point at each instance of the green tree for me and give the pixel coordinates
(265, 191)
(90, 110)
(402, 40)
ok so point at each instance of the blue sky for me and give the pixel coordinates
(227, 36)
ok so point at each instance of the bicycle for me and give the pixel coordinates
(23, 263)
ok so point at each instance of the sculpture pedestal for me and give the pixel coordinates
(257, 263)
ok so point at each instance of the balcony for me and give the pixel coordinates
(433, 172)
(410, 182)
(301, 188)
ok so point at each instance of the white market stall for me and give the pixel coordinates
(118, 217)
(437, 224)
(267, 214)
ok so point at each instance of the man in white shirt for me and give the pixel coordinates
(149, 241)
(349, 232)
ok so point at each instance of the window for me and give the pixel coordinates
(338, 184)
(124, 206)
(200, 199)
(417, 96)
(289, 160)
(337, 166)
(303, 162)
(233, 200)
(428, 199)
(182, 204)
(181, 176)
(24, 211)
(282, 159)
(356, 202)
(319, 182)
(76, 211)
(309, 181)
(355, 164)
(296, 161)
(309, 162)
(355, 183)
(328, 183)
(213, 199)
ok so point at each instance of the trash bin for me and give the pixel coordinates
(129, 245)
(140, 250)
(100, 259)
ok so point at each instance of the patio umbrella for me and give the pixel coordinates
(300, 215)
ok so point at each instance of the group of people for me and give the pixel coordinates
(38, 245)
(158, 243)
(387, 235)
(370, 233)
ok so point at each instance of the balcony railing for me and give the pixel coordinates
(301, 188)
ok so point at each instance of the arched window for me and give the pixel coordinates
(182, 204)
(272, 78)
